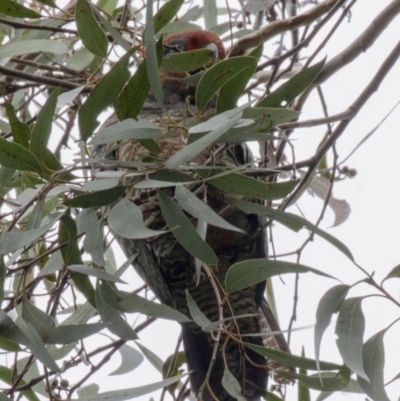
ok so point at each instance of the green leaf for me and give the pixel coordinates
(127, 129)
(218, 75)
(126, 220)
(90, 225)
(374, 364)
(249, 187)
(232, 386)
(350, 328)
(128, 393)
(233, 89)
(132, 303)
(288, 91)
(152, 59)
(16, 157)
(104, 93)
(272, 397)
(249, 272)
(165, 14)
(92, 271)
(89, 31)
(291, 221)
(268, 117)
(20, 131)
(198, 316)
(187, 61)
(11, 241)
(116, 324)
(13, 9)
(184, 231)
(36, 345)
(130, 360)
(395, 272)
(329, 304)
(96, 199)
(67, 233)
(190, 151)
(49, 333)
(303, 393)
(6, 375)
(197, 208)
(330, 381)
(42, 130)
(294, 361)
(28, 46)
(8, 345)
(3, 272)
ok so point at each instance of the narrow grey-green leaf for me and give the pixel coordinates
(290, 220)
(96, 199)
(127, 129)
(104, 93)
(11, 241)
(395, 272)
(198, 316)
(36, 345)
(291, 360)
(288, 91)
(190, 151)
(130, 360)
(187, 61)
(89, 224)
(89, 31)
(116, 324)
(16, 157)
(7, 376)
(240, 184)
(126, 220)
(250, 272)
(99, 184)
(217, 76)
(374, 364)
(3, 271)
(350, 327)
(42, 129)
(330, 381)
(13, 9)
(233, 89)
(94, 272)
(184, 232)
(193, 205)
(49, 333)
(132, 303)
(129, 393)
(232, 386)
(28, 46)
(165, 13)
(152, 61)
(329, 304)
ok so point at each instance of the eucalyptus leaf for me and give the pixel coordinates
(89, 31)
(193, 205)
(350, 328)
(184, 232)
(126, 220)
(329, 304)
(249, 272)
(374, 364)
(130, 360)
(116, 324)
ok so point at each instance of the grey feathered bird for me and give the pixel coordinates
(169, 270)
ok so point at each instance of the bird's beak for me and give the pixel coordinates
(214, 48)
